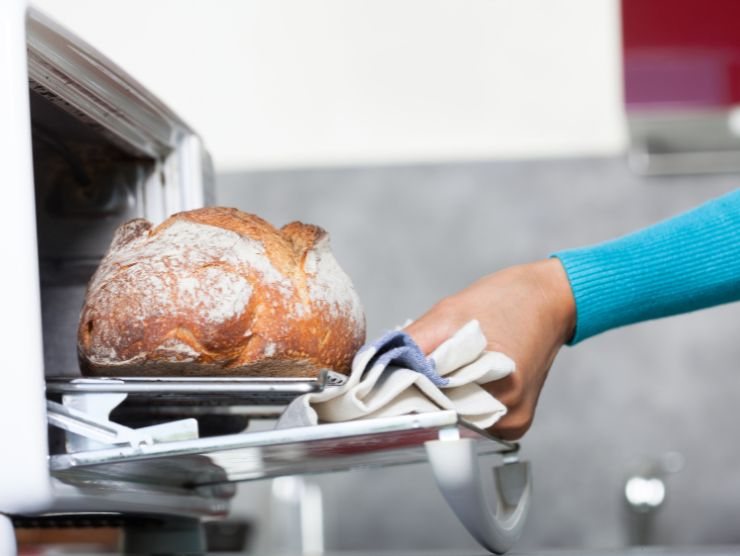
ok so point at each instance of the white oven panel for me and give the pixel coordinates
(85, 147)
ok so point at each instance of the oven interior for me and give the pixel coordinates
(86, 184)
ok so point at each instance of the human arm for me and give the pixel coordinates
(682, 264)
(685, 263)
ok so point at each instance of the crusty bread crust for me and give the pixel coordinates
(217, 291)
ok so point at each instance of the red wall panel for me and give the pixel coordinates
(681, 53)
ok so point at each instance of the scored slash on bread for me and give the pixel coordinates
(217, 291)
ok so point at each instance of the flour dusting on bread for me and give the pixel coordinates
(329, 285)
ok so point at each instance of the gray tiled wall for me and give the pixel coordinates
(410, 235)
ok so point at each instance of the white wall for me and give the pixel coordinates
(280, 83)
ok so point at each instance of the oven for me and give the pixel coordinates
(85, 148)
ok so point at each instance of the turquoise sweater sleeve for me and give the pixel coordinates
(682, 264)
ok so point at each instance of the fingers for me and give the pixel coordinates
(430, 331)
(510, 391)
(425, 335)
(511, 427)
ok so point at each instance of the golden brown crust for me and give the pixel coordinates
(217, 291)
(303, 237)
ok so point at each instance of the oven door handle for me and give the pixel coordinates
(457, 472)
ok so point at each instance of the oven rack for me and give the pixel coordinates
(492, 507)
(109, 466)
(248, 456)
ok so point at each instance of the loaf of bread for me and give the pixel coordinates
(214, 292)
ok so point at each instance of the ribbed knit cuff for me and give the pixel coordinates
(682, 264)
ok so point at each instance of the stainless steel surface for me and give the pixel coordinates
(687, 142)
(156, 495)
(195, 387)
(303, 450)
(176, 397)
(106, 432)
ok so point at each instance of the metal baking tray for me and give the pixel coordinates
(242, 390)
(257, 455)
(174, 397)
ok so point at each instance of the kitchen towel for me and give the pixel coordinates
(392, 376)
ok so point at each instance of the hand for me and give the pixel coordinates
(526, 312)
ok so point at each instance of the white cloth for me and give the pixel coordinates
(381, 386)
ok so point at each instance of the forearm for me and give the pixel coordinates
(688, 262)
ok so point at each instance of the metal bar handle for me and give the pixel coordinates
(456, 470)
